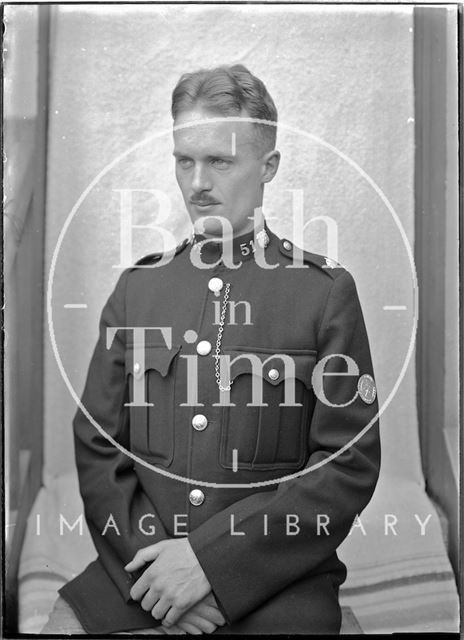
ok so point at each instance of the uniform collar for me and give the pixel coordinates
(243, 246)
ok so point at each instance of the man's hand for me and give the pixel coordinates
(172, 584)
(204, 617)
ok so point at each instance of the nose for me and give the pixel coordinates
(201, 180)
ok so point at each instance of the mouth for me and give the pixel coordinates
(204, 205)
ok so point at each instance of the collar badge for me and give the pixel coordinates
(262, 238)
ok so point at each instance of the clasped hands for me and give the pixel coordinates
(175, 588)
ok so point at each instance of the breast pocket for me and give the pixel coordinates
(275, 434)
(152, 420)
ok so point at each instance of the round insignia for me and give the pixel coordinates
(366, 388)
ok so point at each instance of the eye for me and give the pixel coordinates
(184, 163)
(220, 163)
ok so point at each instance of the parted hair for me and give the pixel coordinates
(229, 90)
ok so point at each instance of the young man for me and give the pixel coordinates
(240, 371)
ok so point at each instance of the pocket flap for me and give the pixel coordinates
(272, 367)
(153, 357)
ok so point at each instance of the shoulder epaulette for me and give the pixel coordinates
(332, 268)
(148, 260)
(152, 258)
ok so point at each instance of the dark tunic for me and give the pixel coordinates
(281, 573)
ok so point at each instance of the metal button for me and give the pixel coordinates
(287, 245)
(196, 497)
(215, 285)
(199, 422)
(203, 348)
(273, 374)
(137, 367)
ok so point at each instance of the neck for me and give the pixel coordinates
(256, 223)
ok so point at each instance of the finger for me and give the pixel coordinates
(190, 628)
(160, 609)
(198, 621)
(174, 614)
(210, 599)
(174, 631)
(214, 615)
(207, 612)
(147, 554)
(139, 588)
(149, 600)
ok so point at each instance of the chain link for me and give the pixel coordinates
(217, 353)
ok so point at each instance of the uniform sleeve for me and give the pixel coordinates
(245, 571)
(113, 497)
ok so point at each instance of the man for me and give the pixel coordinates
(238, 375)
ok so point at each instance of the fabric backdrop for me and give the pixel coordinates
(341, 75)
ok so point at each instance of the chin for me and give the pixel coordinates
(206, 225)
(213, 227)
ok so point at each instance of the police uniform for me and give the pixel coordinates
(271, 568)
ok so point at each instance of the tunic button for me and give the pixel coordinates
(199, 422)
(137, 367)
(273, 374)
(287, 245)
(196, 497)
(215, 285)
(203, 348)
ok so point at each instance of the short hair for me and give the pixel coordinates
(227, 90)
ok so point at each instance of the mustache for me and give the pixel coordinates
(203, 200)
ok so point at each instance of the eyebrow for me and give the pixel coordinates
(210, 156)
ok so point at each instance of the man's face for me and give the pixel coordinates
(219, 170)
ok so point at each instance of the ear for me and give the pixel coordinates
(270, 161)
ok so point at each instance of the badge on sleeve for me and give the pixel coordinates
(366, 389)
